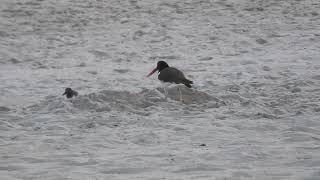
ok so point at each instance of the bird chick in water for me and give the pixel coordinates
(70, 93)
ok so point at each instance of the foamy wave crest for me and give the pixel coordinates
(110, 100)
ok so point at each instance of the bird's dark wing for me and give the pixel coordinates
(172, 75)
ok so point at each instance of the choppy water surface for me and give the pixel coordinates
(253, 112)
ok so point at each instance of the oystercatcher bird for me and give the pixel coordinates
(70, 93)
(170, 75)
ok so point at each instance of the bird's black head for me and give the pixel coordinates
(68, 90)
(161, 65)
(70, 93)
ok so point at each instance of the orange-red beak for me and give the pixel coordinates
(155, 69)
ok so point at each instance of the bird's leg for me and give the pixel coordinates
(165, 92)
(165, 88)
(180, 94)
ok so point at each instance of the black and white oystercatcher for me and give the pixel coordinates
(170, 75)
(70, 93)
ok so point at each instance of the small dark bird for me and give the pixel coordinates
(70, 93)
(170, 75)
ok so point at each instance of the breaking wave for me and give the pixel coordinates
(111, 100)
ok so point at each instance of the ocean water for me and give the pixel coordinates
(252, 113)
